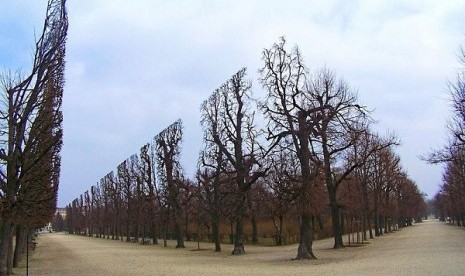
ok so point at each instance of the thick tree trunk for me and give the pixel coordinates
(179, 235)
(216, 231)
(6, 233)
(377, 233)
(21, 235)
(9, 263)
(336, 219)
(305, 251)
(154, 233)
(239, 238)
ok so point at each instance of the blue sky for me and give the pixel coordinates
(134, 67)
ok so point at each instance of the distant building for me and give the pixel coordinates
(61, 211)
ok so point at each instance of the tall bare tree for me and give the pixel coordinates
(148, 176)
(24, 102)
(284, 76)
(168, 150)
(211, 161)
(321, 116)
(337, 122)
(229, 125)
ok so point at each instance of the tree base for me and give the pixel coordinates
(238, 250)
(305, 252)
(307, 256)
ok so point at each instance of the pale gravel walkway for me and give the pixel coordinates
(429, 248)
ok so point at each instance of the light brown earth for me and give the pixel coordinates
(428, 248)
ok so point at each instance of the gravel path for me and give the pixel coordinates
(428, 248)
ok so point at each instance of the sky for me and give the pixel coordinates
(134, 67)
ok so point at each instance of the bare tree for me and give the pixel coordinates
(236, 139)
(285, 77)
(125, 182)
(211, 161)
(168, 149)
(337, 123)
(148, 175)
(24, 102)
(322, 117)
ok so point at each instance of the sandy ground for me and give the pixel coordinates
(429, 248)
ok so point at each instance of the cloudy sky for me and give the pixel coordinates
(134, 67)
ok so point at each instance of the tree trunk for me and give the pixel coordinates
(231, 231)
(369, 227)
(9, 263)
(364, 227)
(254, 230)
(179, 236)
(366, 211)
(377, 233)
(165, 234)
(216, 231)
(305, 251)
(21, 235)
(336, 218)
(186, 226)
(6, 233)
(376, 216)
(154, 233)
(239, 238)
(278, 229)
(128, 238)
(136, 232)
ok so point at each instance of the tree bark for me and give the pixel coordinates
(279, 230)
(215, 230)
(239, 238)
(254, 230)
(9, 263)
(335, 211)
(179, 236)
(6, 232)
(21, 235)
(154, 232)
(305, 251)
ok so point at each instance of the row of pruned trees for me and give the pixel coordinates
(449, 202)
(314, 154)
(129, 204)
(31, 140)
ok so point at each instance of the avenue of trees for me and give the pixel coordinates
(449, 202)
(302, 159)
(31, 139)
